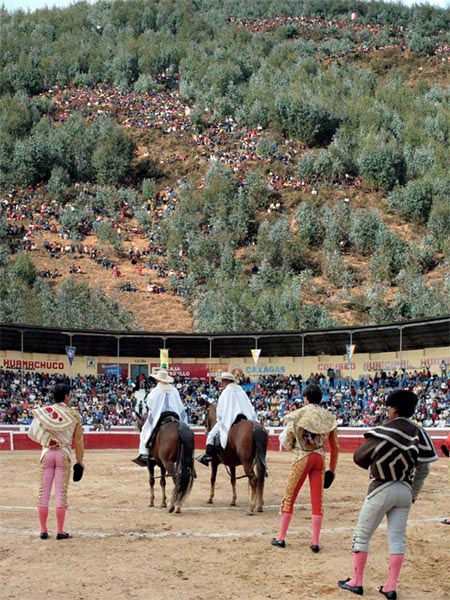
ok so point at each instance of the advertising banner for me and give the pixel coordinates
(193, 370)
(112, 369)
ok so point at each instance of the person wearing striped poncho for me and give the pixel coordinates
(398, 455)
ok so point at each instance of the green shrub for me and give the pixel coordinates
(365, 228)
(420, 161)
(59, 181)
(24, 269)
(266, 146)
(309, 229)
(382, 168)
(412, 202)
(388, 259)
(313, 124)
(439, 224)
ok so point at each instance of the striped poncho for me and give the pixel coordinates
(393, 450)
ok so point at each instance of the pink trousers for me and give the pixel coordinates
(55, 467)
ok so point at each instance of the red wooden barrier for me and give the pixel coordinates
(14, 439)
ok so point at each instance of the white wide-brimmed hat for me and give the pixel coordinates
(163, 376)
(227, 376)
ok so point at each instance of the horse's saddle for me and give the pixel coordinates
(166, 417)
(240, 417)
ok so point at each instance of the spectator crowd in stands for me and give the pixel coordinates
(106, 402)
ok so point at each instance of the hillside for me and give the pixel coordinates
(221, 191)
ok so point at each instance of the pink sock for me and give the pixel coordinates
(359, 564)
(316, 527)
(60, 518)
(284, 526)
(395, 565)
(43, 515)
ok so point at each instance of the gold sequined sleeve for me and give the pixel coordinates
(78, 440)
(290, 439)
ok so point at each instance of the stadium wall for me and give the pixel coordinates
(360, 365)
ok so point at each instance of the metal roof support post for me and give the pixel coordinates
(350, 364)
(210, 365)
(70, 361)
(118, 359)
(303, 361)
(21, 357)
(401, 347)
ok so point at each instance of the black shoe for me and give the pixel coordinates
(44, 535)
(141, 460)
(278, 543)
(62, 536)
(315, 548)
(205, 459)
(356, 589)
(389, 595)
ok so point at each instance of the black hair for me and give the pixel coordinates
(60, 391)
(313, 393)
(404, 401)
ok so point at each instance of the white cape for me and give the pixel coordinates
(164, 397)
(232, 402)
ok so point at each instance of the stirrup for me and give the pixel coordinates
(140, 460)
(204, 459)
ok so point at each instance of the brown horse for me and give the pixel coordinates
(172, 450)
(246, 446)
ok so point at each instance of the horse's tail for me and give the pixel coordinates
(185, 471)
(261, 440)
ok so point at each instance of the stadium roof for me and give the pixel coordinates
(395, 337)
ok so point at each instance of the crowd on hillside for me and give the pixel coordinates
(31, 216)
(353, 27)
(106, 402)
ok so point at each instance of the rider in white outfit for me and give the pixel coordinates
(163, 398)
(233, 401)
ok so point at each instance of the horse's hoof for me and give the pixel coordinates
(260, 509)
(233, 503)
(178, 510)
(171, 509)
(210, 501)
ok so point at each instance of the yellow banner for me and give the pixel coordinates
(255, 353)
(164, 358)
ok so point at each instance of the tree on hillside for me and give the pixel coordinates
(381, 166)
(366, 228)
(76, 305)
(439, 224)
(4, 245)
(113, 153)
(413, 202)
(24, 270)
(310, 122)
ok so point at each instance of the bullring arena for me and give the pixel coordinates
(123, 549)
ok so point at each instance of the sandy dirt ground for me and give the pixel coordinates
(122, 549)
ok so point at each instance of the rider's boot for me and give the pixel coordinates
(206, 458)
(141, 460)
